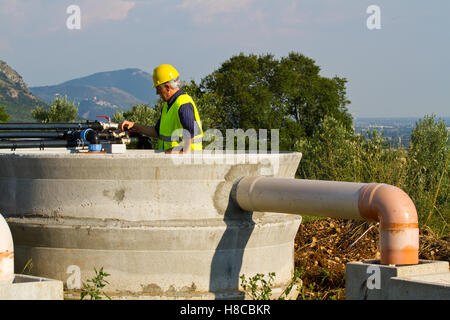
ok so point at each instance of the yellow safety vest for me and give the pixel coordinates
(170, 121)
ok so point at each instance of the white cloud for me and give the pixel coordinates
(295, 13)
(205, 11)
(44, 17)
(96, 11)
(15, 10)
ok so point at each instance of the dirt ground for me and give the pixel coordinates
(323, 247)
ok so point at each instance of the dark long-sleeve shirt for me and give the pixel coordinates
(186, 114)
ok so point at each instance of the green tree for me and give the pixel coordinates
(140, 113)
(61, 110)
(306, 97)
(242, 88)
(261, 92)
(206, 103)
(428, 181)
(4, 117)
(117, 117)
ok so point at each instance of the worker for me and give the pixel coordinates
(179, 112)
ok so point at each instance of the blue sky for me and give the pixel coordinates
(402, 69)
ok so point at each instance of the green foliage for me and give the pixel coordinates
(428, 182)
(261, 92)
(94, 288)
(243, 84)
(206, 103)
(60, 110)
(140, 113)
(27, 269)
(295, 280)
(117, 117)
(336, 154)
(308, 97)
(4, 117)
(324, 274)
(261, 289)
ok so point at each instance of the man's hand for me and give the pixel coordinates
(126, 125)
(147, 130)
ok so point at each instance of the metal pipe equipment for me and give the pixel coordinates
(17, 144)
(31, 134)
(65, 134)
(96, 125)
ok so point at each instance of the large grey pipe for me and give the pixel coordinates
(31, 134)
(53, 126)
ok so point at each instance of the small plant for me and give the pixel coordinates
(94, 289)
(324, 274)
(337, 295)
(302, 292)
(28, 267)
(297, 275)
(261, 289)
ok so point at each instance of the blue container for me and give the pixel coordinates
(95, 147)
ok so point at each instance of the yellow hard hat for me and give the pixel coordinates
(164, 73)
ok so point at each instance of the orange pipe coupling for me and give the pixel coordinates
(389, 205)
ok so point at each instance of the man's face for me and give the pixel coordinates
(163, 91)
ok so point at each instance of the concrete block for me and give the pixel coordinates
(369, 280)
(114, 148)
(32, 288)
(435, 286)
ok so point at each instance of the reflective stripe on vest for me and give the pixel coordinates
(170, 121)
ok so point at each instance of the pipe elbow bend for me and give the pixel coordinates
(397, 215)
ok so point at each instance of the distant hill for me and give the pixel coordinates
(16, 96)
(103, 93)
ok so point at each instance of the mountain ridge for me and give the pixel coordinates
(16, 96)
(103, 93)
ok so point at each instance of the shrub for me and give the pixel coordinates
(61, 110)
(337, 154)
(4, 117)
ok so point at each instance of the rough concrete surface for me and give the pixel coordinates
(369, 280)
(163, 227)
(26, 287)
(435, 286)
